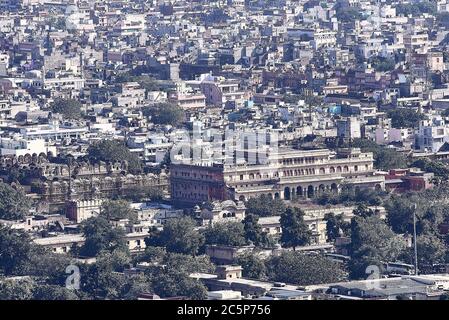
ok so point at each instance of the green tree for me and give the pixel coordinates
(48, 265)
(431, 250)
(113, 151)
(384, 158)
(265, 206)
(69, 108)
(53, 292)
(143, 193)
(117, 209)
(348, 14)
(400, 214)
(254, 233)
(165, 113)
(334, 225)
(105, 279)
(134, 286)
(416, 8)
(252, 228)
(17, 289)
(14, 204)
(404, 118)
(382, 64)
(172, 284)
(15, 251)
(363, 211)
(439, 169)
(170, 276)
(151, 254)
(372, 243)
(295, 231)
(188, 264)
(302, 269)
(101, 235)
(253, 266)
(225, 233)
(178, 235)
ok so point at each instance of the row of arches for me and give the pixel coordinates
(308, 192)
(307, 171)
(293, 192)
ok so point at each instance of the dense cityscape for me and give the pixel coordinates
(224, 150)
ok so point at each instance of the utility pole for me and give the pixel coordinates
(414, 239)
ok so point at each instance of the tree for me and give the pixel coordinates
(253, 266)
(252, 229)
(301, 269)
(334, 225)
(117, 209)
(17, 289)
(295, 231)
(188, 264)
(143, 193)
(165, 113)
(170, 274)
(48, 265)
(439, 169)
(104, 279)
(53, 292)
(172, 284)
(384, 158)
(225, 233)
(431, 250)
(15, 251)
(265, 206)
(101, 235)
(69, 108)
(382, 64)
(179, 235)
(416, 8)
(348, 14)
(400, 211)
(363, 210)
(114, 151)
(134, 286)
(404, 118)
(151, 254)
(372, 243)
(14, 204)
(254, 233)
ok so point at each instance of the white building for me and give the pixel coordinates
(431, 135)
(18, 146)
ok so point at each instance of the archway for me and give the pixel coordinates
(287, 195)
(310, 192)
(299, 191)
(334, 187)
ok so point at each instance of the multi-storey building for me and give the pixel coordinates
(431, 135)
(288, 174)
(294, 173)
